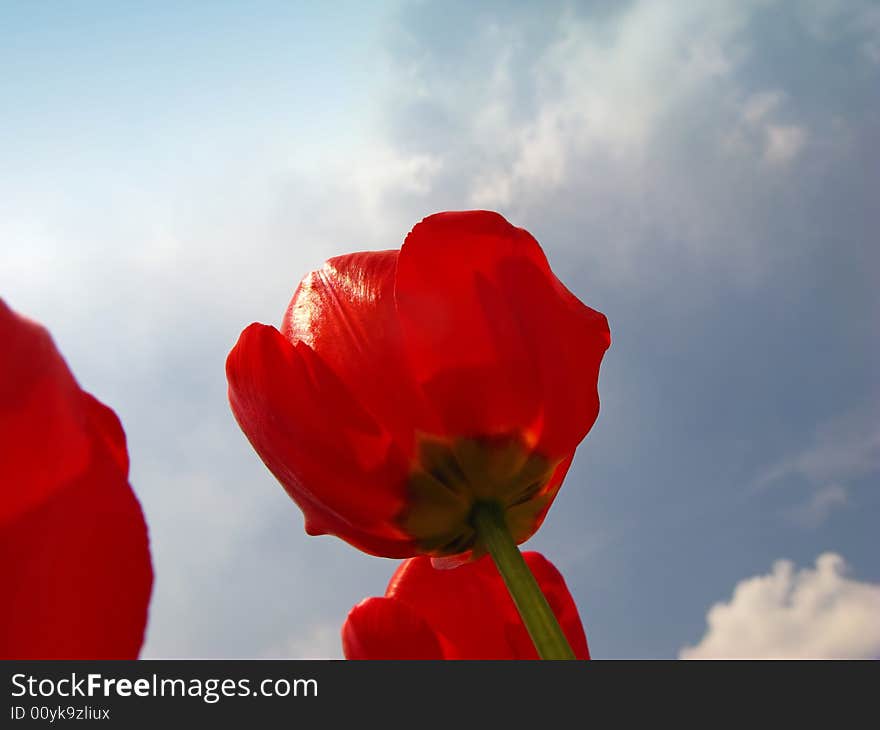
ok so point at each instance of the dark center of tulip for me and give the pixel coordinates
(452, 476)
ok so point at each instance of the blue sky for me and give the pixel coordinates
(704, 174)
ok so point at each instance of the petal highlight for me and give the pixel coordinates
(345, 313)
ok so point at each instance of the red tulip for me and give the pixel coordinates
(74, 556)
(404, 386)
(464, 613)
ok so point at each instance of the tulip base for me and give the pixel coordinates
(537, 616)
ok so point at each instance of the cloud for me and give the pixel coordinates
(854, 21)
(820, 505)
(759, 106)
(665, 128)
(783, 143)
(608, 91)
(842, 453)
(603, 91)
(763, 134)
(811, 613)
(846, 448)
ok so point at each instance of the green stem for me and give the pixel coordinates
(537, 616)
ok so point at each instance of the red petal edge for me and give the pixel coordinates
(385, 628)
(74, 549)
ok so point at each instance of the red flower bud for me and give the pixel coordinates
(464, 613)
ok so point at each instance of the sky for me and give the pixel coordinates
(705, 174)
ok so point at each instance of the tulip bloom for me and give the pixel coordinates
(74, 555)
(464, 613)
(405, 387)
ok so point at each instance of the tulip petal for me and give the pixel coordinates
(558, 596)
(345, 313)
(342, 468)
(523, 520)
(470, 607)
(385, 628)
(76, 572)
(494, 339)
(467, 604)
(570, 341)
(108, 429)
(74, 552)
(477, 372)
(42, 426)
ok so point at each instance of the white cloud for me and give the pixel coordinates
(765, 133)
(780, 142)
(845, 448)
(820, 505)
(811, 613)
(650, 129)
(380, 172)
(783, 143)
(854, 21)
(759, 106)
(607, 90)
(842, 452)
